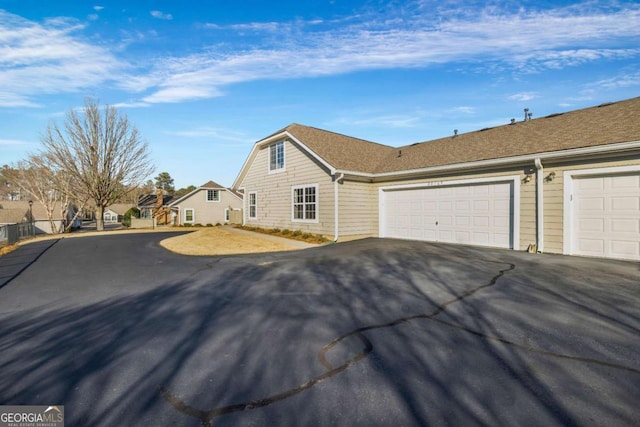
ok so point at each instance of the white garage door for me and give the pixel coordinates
(480, 214)
(606, 216)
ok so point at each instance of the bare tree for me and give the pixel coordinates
(101, 151)
(38, 180)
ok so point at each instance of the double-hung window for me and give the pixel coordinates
(305, 203)
(276, 156)
(213, 195)
(189, 216)
(253, 205)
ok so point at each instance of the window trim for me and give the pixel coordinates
(255, 205)
(316, 203)
(215, 191)
(284, 157)
(193, 216)
(227, 215)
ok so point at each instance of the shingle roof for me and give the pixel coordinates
(605, 124)
(120, 208)
(211, 184)
(11, 209)
(341, 151)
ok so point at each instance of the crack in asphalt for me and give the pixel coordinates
(206, 416)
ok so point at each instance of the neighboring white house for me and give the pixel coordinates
(211, 203)
(114, 213)
(565, 183)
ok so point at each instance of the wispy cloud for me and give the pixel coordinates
(160, 15)
(213, 133)
(13, 142)
(618, 81)
(523, 41)
(48, 58)
(55, 57)
(523, 96)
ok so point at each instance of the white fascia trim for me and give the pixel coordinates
(569, 176)
(515, 179)
(574, 152)
(285, 135)
(275, 138)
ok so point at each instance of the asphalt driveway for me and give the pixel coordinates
(373, 332)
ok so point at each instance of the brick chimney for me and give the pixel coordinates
(159, 197)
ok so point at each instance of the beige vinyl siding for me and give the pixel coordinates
(358, 214)
(274, 191)
(554, 198)
(206, 212)
(527, 198)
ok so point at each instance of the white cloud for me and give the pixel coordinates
(619, 81)
(160, 15)
(98, 8)
(13, 142)
(54, 57)
(522, 40)
(93, 17)
(523, 96)
(213, 133)
(48, 58)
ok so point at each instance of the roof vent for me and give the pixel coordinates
(513, 121)
(399, 153)
(455, 132)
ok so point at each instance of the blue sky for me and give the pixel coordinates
(204, 80)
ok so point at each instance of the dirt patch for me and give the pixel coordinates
(217, 241)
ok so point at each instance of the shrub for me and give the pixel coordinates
(187, 225)
(218, 224)
(296, 233)
(276, 231)
(286, 231)
(197, 224)
(209, 225)
(132, 212)
(306, 235)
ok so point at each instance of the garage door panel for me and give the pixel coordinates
(625, 225)
(481, 221)
(591, 204)
(625, 182)
(479, 214)
(586, 225)
(463, 221)
(625, 249)
(625, 203)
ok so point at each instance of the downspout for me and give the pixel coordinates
(539, 205)
(336, 183)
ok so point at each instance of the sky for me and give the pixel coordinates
(204, 80)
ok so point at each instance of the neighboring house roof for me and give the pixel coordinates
(607, 124)
(38, 211)
(210, 185)
(150, 200)
(119, 208)
(13, 216)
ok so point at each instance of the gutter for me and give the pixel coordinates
(539, 205)
(336, 183)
